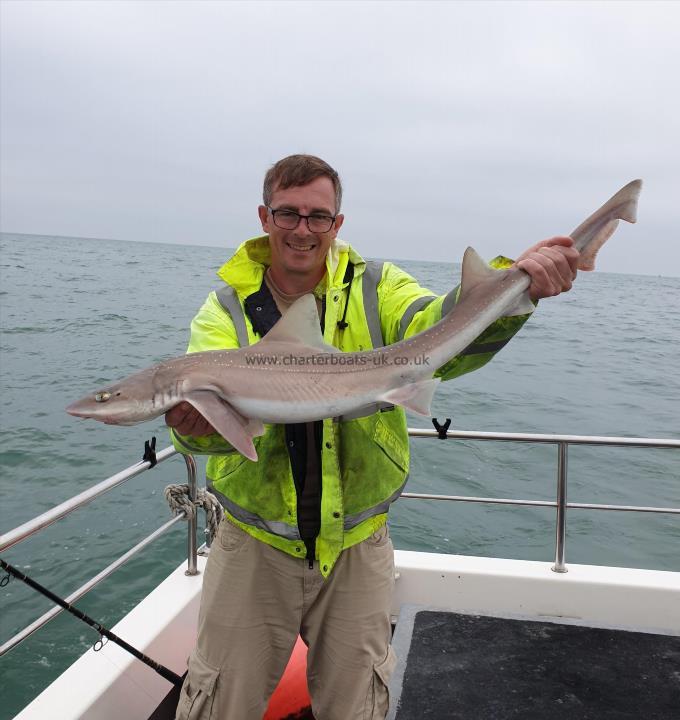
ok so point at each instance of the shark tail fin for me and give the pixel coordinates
(586, 260)
(594, 232)
(627, 200)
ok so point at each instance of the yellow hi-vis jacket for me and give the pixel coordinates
(364, 460)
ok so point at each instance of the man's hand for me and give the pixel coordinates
(186, 420)
(552, 266)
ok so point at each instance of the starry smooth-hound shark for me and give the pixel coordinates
(293, 376)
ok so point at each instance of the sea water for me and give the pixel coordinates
(79, 313)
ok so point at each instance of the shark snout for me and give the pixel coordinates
(85, 409)
(79, 409)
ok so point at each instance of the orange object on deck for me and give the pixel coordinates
(291, 697)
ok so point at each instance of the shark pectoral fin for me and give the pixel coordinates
(414, 396)
(524, 306)
(231, 425)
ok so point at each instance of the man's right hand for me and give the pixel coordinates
(186, 420)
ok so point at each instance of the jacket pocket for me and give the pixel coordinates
(378, 701)
(390, 443)
(199, 690)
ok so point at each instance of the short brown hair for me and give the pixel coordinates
(296, 170)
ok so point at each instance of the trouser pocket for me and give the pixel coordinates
(199, 690)
(378, 701)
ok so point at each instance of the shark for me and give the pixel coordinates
(291, 375)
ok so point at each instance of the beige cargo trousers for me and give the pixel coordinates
(256, 600)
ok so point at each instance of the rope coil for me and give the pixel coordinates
(179, 502)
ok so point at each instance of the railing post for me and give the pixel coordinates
(561, 514)
(192, 522)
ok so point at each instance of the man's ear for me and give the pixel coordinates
(264, 217)
(339, 219)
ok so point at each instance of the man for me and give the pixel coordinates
(304, 547)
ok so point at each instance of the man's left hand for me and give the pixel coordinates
(552, 266)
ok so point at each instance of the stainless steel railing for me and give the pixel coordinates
(86, 587)
(31, 527)
(563, 442)
(15, 536)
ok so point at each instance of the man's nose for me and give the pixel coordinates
(302, 229)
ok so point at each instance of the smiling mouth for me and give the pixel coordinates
(301, 248)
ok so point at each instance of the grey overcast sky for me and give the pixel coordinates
(493, 124)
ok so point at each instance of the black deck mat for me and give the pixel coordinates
(486, 668)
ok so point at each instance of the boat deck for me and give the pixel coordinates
(454, 665)
(554, 656)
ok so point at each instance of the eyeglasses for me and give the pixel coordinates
(289, 220)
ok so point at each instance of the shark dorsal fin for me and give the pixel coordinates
(474, 271)
(299, 324)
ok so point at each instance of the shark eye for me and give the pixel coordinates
(102, 396)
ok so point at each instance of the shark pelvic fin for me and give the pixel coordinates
(414, 396)
(299, 324)
(231, 425)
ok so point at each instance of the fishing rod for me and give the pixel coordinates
(105, 632)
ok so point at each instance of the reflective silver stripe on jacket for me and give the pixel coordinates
(369, 288)
(288, 532)
(416, 306)
(450, 301)
(370, 279)
(228, 299)
(351, 521)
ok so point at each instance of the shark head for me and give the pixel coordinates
(128, 402)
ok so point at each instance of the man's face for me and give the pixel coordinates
(300, 251)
